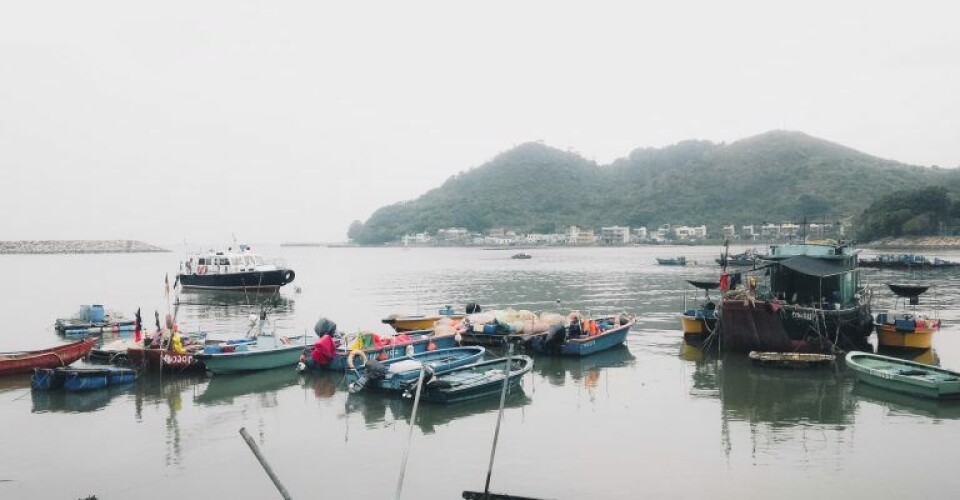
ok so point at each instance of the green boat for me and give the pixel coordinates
(269, 351)
(904, 376)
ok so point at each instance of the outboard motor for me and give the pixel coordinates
(324, 326)
(372, 370)
(555, 338)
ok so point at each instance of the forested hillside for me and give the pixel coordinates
(772, 176)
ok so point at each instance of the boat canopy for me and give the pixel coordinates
(813, 266)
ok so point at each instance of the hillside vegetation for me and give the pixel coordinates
(775, 176)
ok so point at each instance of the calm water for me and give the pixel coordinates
(656, 419)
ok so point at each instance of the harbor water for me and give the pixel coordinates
(654, 419)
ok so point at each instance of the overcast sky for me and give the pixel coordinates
(285, 121)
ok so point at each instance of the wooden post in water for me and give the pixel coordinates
(263, 463)
(413, 421)
(496, 433)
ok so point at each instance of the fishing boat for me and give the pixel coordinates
(906, 330)
(908, 261)
(807, 297)
(394, 374)
(93, 320)
(699, 323)
(232, 270)
(521, 256)
(747, 258)
(269, 351)
(672, 261)
(80, 379)
(12, 363)
(583, 337)
(904, 376)
(791, 359)
(474, 381)
(412, 322)
(395, 347)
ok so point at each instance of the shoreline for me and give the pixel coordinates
(48, 247)
(915, 243)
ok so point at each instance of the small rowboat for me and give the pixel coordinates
(904, 376)
(12, 363)
(395, 374)
(673, 261)
(791, 359)
(604, 333)
(473, 381)
(81, 379)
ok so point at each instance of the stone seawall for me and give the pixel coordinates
(76, 246)
(916, 243)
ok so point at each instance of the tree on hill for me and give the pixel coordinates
(773, 176)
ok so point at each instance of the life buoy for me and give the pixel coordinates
(201, 269)
(353, 354)
(288, 276)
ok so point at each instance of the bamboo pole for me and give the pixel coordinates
(263, 463)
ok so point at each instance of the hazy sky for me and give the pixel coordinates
(284, 121)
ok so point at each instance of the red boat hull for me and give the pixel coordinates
(165, 360)
(63, 355)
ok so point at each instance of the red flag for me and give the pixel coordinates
(724, 282)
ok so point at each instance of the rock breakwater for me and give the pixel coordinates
(76, 246)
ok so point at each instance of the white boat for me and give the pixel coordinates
(232, 270)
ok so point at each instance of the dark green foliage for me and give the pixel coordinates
(910, 212)
(777, 176)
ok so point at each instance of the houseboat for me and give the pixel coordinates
(805, 297)
(232, 270)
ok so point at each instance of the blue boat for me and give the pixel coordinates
(394, 374)
(580, 340)
(420, 342)
(81, 379)
(473, 381)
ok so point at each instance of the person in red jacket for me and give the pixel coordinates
(324, 350)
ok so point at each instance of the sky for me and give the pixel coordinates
(284, 121)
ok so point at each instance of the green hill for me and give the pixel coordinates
(772, 176)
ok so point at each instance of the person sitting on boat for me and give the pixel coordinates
(325, 349)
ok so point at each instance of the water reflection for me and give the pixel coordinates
(906, 405)
(227, 313)
(378, 409)
(265, 384)
(784, 397)
(583, 371)
(76, 401)
(155, 390)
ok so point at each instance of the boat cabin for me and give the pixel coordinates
(228, 262)
(816, 275)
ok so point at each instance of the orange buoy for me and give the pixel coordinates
(431, 346)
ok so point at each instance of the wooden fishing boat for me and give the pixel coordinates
(905, 330)
(81, 379)
(25, 361)
(415, 322)
(673, 261)
(269, 351)
(474, 381)
(904, 376)
(521, 256)
(698, 323)
(394, 374)
(420, 342)
(164, 360)
(591, 337)
(791, 359)
(748, 258)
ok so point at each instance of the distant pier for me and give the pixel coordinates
(76, 246)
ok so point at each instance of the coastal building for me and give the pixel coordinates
(586, 237)
(614, 235)
(453, 235)
(770, 231)
(789, 230)
(749, 232)
(663, 232)
(639, 234)
(690, 233)
(730, 232)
